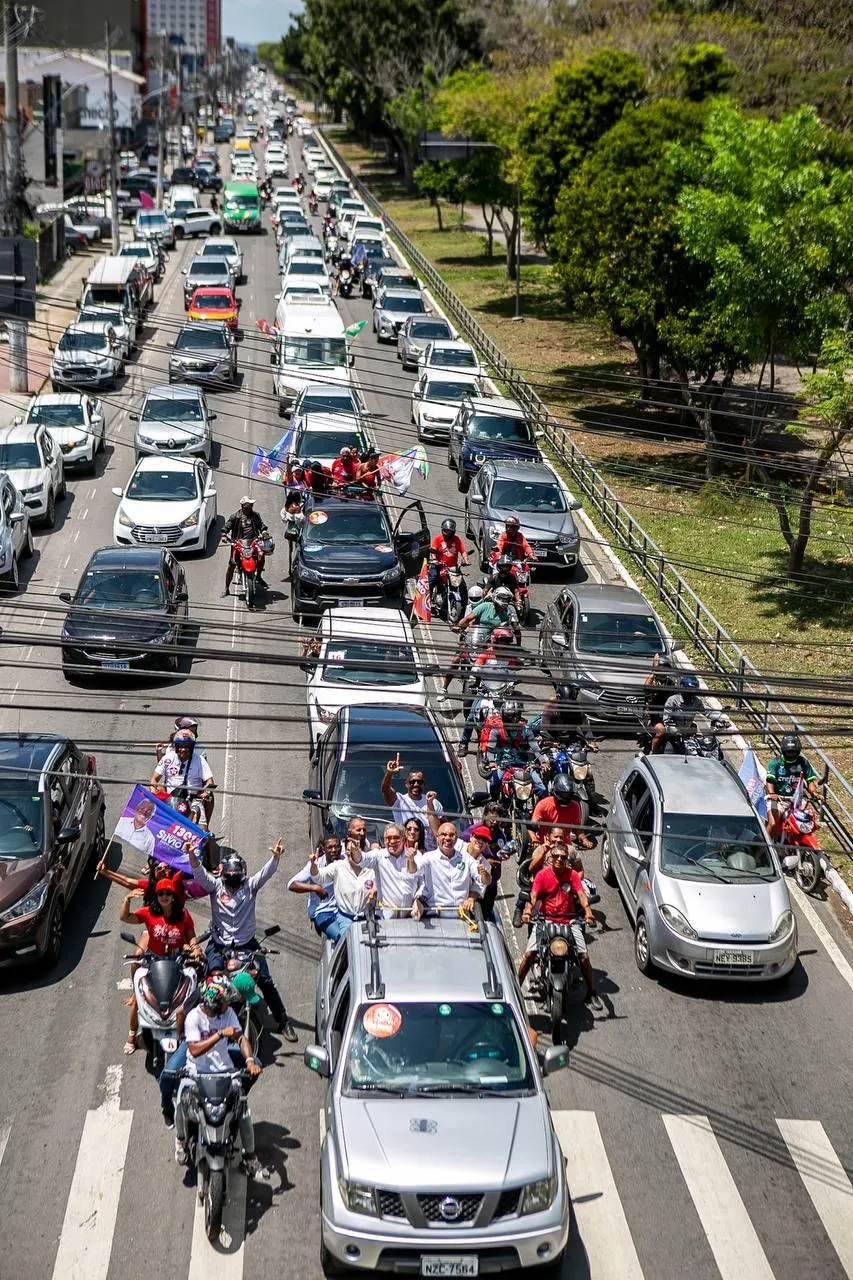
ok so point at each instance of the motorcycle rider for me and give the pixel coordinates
(508, 742)
(679, 714)
(463, 651)
(182, 766)
(446, 550)
(560, 891)
(500, 611)
(245, 524)
(563, 723)
(232, 902)
(658, 685)
(560, 809)
(513, 543)
(783, 774)
(492, 669)
(209, 1030)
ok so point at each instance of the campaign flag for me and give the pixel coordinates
(799, 791)
(750, 776)
(421, 603)
(272, 465)
(265, 327)
(145, 201)
(399, 468)
(359, 255)
(355, 329)
(157, 830)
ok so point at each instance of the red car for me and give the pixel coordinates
(212, 302)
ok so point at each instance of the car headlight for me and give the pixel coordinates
(146, 439)
(190, 522)
(430, 417)
(28, 905)
(538, 1196)
(164, 638)
(124, 519)
(394, 574)
(784, 926)
(358, 1197)
(309, 575)
(32, 490)
(677, 922)
(566, 540)
(494, 531)
(479, 459)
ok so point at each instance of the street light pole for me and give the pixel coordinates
(17, 330)
(111, 124)
(161, 120)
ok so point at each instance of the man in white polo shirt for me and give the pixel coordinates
(400, 880)
(414, 802)
(452, 878)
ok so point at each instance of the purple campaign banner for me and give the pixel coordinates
(156, 830)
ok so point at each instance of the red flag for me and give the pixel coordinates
(421, 602)
(145, 201)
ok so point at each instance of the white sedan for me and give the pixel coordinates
(365, 656)
(168, 502)
(75, 422)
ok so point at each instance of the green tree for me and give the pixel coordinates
(703, 70)
(560, 128)
(439, 180)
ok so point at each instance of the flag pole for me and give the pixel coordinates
(103, 858)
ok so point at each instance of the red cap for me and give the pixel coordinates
(165, 886)
(483, 833)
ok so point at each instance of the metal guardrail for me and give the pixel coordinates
(755, 700)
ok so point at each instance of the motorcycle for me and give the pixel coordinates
(520, 585)
(806, 859)
(161, 986)
(447, 600)
(516, 796)
(691, 742)
(573, 761)
(490, 716)
(243, 960)
(247, 571)
(557, 969)
(213, 1142)
(345, 283)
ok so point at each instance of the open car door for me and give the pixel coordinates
(411, 538)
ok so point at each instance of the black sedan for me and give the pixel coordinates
(127, 613)
(51, 830)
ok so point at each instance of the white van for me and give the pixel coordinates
(178, 193)
(310, 347)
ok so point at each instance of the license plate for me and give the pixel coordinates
(351, 604)
(111, 664)
(541, 553)
(625, 710)
(153, 537)
(451, 1264)
(734, 957)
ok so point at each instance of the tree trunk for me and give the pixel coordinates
(700, 405)
(490, 235)
(509, 226)
(436, 204)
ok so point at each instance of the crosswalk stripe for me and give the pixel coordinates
(5, 1130)
(826, 1182)
(602, 1225)
(224, 1259)
(731, 1235)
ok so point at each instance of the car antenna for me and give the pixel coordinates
(375, 987)
(492, 988)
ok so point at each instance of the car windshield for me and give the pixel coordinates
(429, 329)
(411, 305)
(453, 358)
(633, 634)
(163, 486)
(211, 268)
(369, 662)
(328, 402)
(328, 444)
(361, 524)
(466, 1047)
(219, 250)
(152, 221)
(207, 339)
(495, 427)
(310, 268)
(120, 589)
(354, 789)
(135, 251)
(21, 819)
(327, 351)
(714, 847)
(57, 415)
(82, 342)
(101, 315)
(215, 302)
(440, 390)
(518, 495)
(177, 410)
(19, 455)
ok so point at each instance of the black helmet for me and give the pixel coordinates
(567, 692)
(562, 789)
(790, 746)
(512, 711)
(512, 521)
(448, 527)
(505, 563)
(233, 870)
(689, 682)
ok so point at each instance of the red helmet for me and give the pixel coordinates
(502, 635)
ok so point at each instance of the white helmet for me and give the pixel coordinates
(475, 594)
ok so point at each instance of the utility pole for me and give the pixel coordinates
(161, 120)
(111, 124)
(13, 211)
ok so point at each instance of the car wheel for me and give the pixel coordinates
(463, 481)
(92, 466)
(28, 548)
(484, 559)
(49, 517)
(99, 843)
(62, 491)
(608, 875)
(179, 233)
(9, 581)
(53, 949)
(451, 465)
(642, 947)
(102, 443)
(215, 229)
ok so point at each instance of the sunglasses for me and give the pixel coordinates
(393, 839)
(165, 893)
(416, 782)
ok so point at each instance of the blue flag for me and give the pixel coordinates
(751, 778)
(156, 830)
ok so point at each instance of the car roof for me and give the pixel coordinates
(226, 266)
(136, 244)
(399, 724)
(509, 468)
(687, 786)
(408, 295)
(337, 390)
(330, 422)
(163, 462)
(180, 391)
(600, 597)
(354, 624)
(498, 405)
(20, 431)
(125, 558)
(85, 326)
(204, 289)
(433, 959)
(450, 344)
(27, 752)
(58, 397)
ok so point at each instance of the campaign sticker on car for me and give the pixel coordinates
(450, 1265)
(383, 1021)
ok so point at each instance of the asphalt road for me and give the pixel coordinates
(673, 1111)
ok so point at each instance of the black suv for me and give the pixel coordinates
(347, 552)
(51, 830)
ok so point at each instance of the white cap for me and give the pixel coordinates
(245, 498)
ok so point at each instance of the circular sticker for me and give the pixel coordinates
(444, 1010)
(383, 546)
(318, 517)
(382, 1021)
(497, 1009)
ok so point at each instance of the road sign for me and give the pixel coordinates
(17, 278)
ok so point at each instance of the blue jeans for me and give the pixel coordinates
(470, 722)
(175, 1063)
(268, 989)
(331, 926)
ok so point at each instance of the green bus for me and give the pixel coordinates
(241, 206)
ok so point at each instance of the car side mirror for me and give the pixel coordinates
(677, 646)
(68, 835)
(631, 851)
(118, 493)
(350, 359)
(127, 937)
(559, 640)
(184, 271)
(171, 346)
(182, 597)
(134, 417)
(477, 799)
(555, 1058)
(210, 493)
(65, 597)
(310, 795)
(211, 417)
(317, 1060)
(575, 506)
(538, 435)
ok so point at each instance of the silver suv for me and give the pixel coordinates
(439, 1156)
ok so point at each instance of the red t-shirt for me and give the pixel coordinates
(555, 893)
(162, 933)
(344, 470)
(550, 814)
(449, 552)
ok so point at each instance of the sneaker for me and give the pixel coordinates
(226, 592)
(169, 1116)
(253, 1168)
(594, 1001)
(517, 920)
(462, 750)
(288, 1030)
(181, 1156)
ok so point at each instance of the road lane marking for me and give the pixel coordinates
(222, 1260)
(736, 1248)
(826, 1182)
(5, 1130)
(86, 1241)
(602, 1225)
(831, 947)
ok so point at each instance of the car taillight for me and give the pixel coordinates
(91, 765)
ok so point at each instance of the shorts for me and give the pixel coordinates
(575, 928)
(778, 804)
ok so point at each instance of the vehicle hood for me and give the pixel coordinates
(240, 215)
(88, 626)
(221, 281)
(17, 878)
(165, 431)
(201, 312)
(201, 353)
(440, 410)
(501, 449)
(730, 913)
(357, 561)
(544, 524)
(333, 698)
(29, 478)
(69, 435)
(615, 671)
(79, 357)
(425, 1144)
(159, 513)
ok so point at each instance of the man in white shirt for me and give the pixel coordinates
(133, 830)
(182, 766)
(353, 878)
(399, 879)
(413, 802)
(452, 878)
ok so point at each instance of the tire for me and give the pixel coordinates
(808, 874)
(330, 1266)
(557, 1012)
(214, 1201)
(215, 229)
(179, 233)
(10, 581)
(463, 482)
(28, 548)
(484, 769)
(49, 517)
(642, 947)
(54, 937)
(524, 611)
(92, 465)
(451, 465)
(62, 491)
(99, 843)
(608, 875)
(455, 612)
(251, 591)
(102, 443)
(485, 566)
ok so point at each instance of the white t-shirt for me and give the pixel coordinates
(351, 888)
(397, 886)
(138, 837)
(170, 771)
(449, 881)
(405, 807)
(198, 1026)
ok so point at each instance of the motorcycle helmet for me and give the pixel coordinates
(567, 692)
(216, 994)
(503, 595)
(185, 738)
(689, 682)
(562, 789)
(708, 745)
(234, 870)
(187, 722)
(502, 635)
(448, 528)
(504, 564)
(512, 523)
(511, 711)
(475, 596)
(790, 747)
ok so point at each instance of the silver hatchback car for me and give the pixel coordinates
(699, 878)
(439, 1156)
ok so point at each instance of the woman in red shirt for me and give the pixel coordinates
(169, 927)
